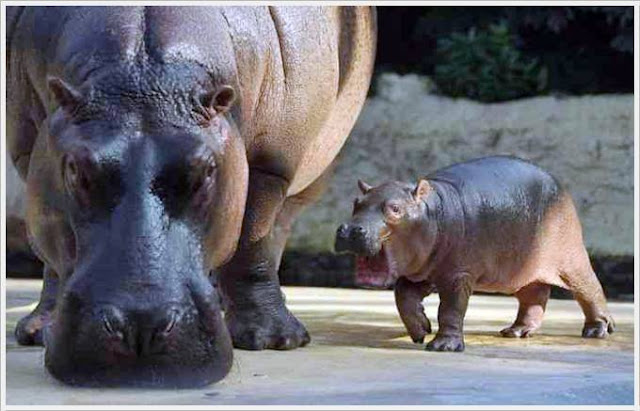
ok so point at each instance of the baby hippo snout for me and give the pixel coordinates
(354, 238)
(141, 333)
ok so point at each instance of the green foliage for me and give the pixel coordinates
(485, 65)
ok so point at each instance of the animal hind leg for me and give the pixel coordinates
(532, 301)
(588, 292)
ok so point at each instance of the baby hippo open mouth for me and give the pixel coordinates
(374, 271)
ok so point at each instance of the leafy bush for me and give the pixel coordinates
(485, 65)
(583, 49)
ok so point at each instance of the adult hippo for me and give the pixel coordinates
(159, 144)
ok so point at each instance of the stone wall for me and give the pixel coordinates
(405, 131)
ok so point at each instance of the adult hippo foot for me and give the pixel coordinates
(264, 322)
(518, 331)
(29, 329)
(256, 331)
(598, 329)
(446, 343)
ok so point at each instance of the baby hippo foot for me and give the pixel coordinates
(446, 343)
(259, 330)
(518, 331)
(418, 327)
(29, 329)
(598, 328)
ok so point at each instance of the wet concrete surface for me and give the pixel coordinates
(360, 354)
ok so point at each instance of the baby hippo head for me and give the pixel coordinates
(385, 226)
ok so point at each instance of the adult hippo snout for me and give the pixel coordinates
(148, 341)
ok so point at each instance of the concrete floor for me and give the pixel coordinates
(360, 354)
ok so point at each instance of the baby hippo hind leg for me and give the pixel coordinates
(533, 300)
(588, 292)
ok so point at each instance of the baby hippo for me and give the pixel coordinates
(495, 224)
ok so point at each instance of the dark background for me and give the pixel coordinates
(585, 50)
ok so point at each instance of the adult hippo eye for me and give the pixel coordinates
(81, 173)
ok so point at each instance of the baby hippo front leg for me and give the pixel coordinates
(454, 294)
(409, 296)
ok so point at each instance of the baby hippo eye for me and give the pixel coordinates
(393, 210)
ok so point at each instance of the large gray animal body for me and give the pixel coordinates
(158, 144)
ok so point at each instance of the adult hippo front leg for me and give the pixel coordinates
(255, 312)
(29, 330)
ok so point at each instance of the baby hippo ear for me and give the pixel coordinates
(65, 95)
(422, 190)
(364, 187)
(219, 100)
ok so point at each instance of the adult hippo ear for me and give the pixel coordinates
(422, 190)
(64, 94)
(233, 178)
(364, 187)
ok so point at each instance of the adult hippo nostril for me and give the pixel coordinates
(143, 333)
(152, 332)
(113, 322)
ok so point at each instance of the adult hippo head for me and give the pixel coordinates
(132, 206)
(163, 144)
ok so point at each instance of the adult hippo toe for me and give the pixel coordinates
(159, 144)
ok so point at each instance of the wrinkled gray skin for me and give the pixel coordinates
(494, 224)
(159, 144)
